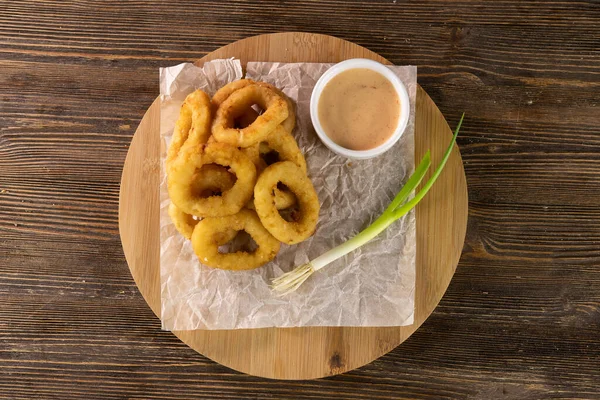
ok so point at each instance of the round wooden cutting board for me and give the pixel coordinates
(301, 353)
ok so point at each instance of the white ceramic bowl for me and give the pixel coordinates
(374, 66)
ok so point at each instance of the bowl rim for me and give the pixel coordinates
(388, 74)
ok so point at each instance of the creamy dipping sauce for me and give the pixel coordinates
(359, 109)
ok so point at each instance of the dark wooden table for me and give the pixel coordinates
(521, 319)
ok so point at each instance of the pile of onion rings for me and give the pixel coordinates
(233, 165)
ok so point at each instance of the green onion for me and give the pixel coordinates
(398, 208)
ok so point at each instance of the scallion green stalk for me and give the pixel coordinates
(398, 208)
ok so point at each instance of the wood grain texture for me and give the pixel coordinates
(281, 353)
(520, 319)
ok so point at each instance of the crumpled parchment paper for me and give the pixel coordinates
(372, 286)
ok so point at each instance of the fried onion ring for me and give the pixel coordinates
(209, 233)
(276, 111)
(246, 119)
(294, 178)
(180, 180)
(193, 126)
(184, 223)
(282, 142)
(249, 116)
(253, 154)
(222, 94)
(283, 199)
(285, 143)
(290, 122)
(287, 149)
(210, 180)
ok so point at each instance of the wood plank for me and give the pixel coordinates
(527, 75)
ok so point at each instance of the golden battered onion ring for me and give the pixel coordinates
(183, 170)
(249, 116)
(285, 145)
(292, 176)
(290, 122)
(212, 180)
(253, 154)
(283, 198)
(208, 181)
(184, 223)
(276, 111)
(222, 94)
(208, 235)
(193, 126)
(246, 119)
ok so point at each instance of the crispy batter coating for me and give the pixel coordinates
(246, 119)
(184, 223)
(210, 180)
(291, 175)
(222, 94)
(282, 142)
(276, 111)
(180, 180)
(209, 233)
(290, 122)
(192, 129)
